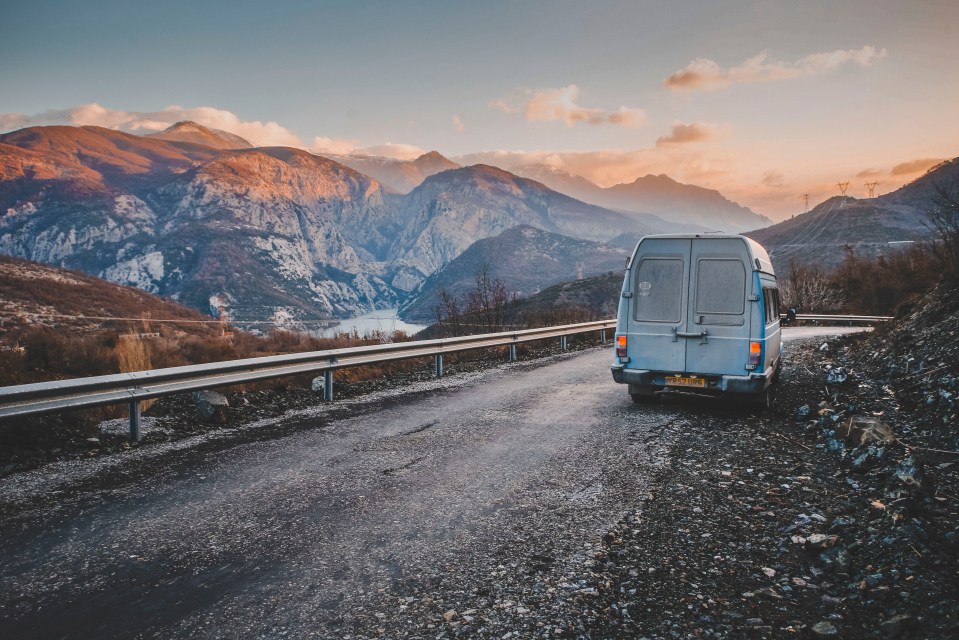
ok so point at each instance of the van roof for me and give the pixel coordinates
(757, 254)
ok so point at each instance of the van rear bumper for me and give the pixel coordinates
(751, 383)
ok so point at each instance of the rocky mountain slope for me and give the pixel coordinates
(269, 232)
(524, 258)
(401, 176)
(453, 209)
(870, 226)
(675, 202)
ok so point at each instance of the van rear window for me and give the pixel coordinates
(659, 290)
(720, 286)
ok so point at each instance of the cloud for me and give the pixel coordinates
(615, 166)
(503, 106)
(774, 179)
(559, 105)
(683, 133)
(869, 173)
(333, 146)
(458, 123)
(392, 150)
(915, 166)
(706, 75)
(259, 133)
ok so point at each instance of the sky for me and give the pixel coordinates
(764, 101)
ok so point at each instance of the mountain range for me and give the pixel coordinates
(265, 233)
(660, 195)
(281, 234)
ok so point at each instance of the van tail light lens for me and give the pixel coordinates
(620, 346)
(755, 353)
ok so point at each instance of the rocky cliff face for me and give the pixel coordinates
(269, 231)
(452, 210)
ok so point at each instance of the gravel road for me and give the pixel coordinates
(473, 506)
(382, 515)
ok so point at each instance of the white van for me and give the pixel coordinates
(699, 313)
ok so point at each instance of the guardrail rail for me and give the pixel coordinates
(134, 387)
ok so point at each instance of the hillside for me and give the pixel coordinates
(525, 259)
(599, 294)
(35, 295)
(870, 226)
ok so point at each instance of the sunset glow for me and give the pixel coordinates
(764, 101)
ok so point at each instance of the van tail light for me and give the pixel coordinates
(620, 346)
(755, 354)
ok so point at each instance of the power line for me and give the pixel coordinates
(59, 316)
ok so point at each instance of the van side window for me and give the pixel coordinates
(771, 303)
(720, 286)
(658, 290)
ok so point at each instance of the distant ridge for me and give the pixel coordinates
(660, 195)
(189, 131)
(400, 176)
(867, 225)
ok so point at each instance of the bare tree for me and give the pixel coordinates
(943, 221)
(490, 303)
(810, 290)
(448, 313)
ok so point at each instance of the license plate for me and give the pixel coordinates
(676, 381)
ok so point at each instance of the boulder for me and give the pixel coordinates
(865, 431)
(212, 407)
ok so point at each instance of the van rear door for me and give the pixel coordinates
(660, 289)
(719, 286)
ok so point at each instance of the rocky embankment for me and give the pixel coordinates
(834, 516)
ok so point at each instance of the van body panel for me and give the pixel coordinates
(691, 307)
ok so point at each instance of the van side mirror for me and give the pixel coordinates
(791, 314)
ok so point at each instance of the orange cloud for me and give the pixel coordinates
(560, 105)
(683, 133)
(915, 166)
(261, 134)
(706, 75)
(458, 123)
(869, 173)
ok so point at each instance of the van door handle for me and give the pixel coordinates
(704, 334)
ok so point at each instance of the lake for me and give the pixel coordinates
(380, 320)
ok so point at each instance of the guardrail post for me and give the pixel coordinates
(439, 365)
(602, 337)
(512, 353)
(135, 421)
(328, 385)
(562, 343)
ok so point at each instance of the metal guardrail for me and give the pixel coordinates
(831, 318)
(132, 388)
